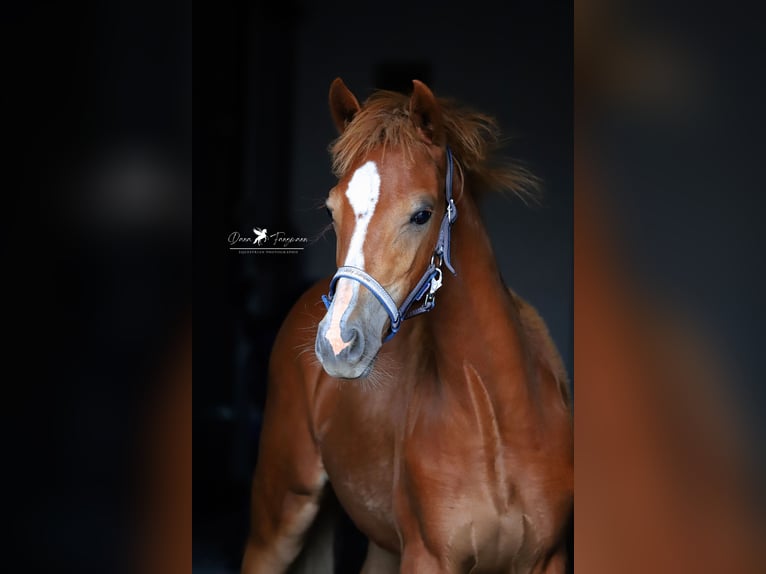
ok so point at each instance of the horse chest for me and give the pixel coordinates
(443, 478)
(358, 452)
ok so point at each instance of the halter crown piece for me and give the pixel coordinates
(429, 283)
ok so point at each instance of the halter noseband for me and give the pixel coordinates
(429, 283)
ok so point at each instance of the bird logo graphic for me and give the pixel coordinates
(260, 235)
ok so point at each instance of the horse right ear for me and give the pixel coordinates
(343, 104)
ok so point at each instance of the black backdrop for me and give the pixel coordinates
(260, 160)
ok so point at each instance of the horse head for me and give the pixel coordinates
(386, 212)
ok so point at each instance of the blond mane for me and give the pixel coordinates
(384, 120)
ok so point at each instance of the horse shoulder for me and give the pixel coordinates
(551, 488)
(542, 348)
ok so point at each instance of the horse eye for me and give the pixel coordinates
(421, 217)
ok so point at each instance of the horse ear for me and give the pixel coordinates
(426, 113)
(343, 104)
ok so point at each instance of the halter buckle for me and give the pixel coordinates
(436, 282)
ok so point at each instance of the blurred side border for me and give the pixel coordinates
(97, 285)
(668, 288)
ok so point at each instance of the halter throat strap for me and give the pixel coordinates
(430, 281)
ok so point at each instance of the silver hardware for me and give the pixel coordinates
(451, 210)
(436, 282)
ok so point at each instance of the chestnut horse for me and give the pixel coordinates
(446, 437)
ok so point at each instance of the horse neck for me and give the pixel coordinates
(475, 319)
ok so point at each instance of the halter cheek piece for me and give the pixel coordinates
(429, 283)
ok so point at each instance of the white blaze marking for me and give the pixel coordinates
(362, 193)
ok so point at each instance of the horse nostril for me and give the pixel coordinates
(356, 345)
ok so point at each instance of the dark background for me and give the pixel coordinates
(262, 77)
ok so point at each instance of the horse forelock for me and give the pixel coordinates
(384, 122)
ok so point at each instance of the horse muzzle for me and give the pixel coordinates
(349, 354)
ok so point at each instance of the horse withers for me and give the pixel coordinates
(414, 383)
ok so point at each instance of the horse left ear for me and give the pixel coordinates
(426, 113)
(343, 104)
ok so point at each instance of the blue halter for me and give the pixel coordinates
(429, 283)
